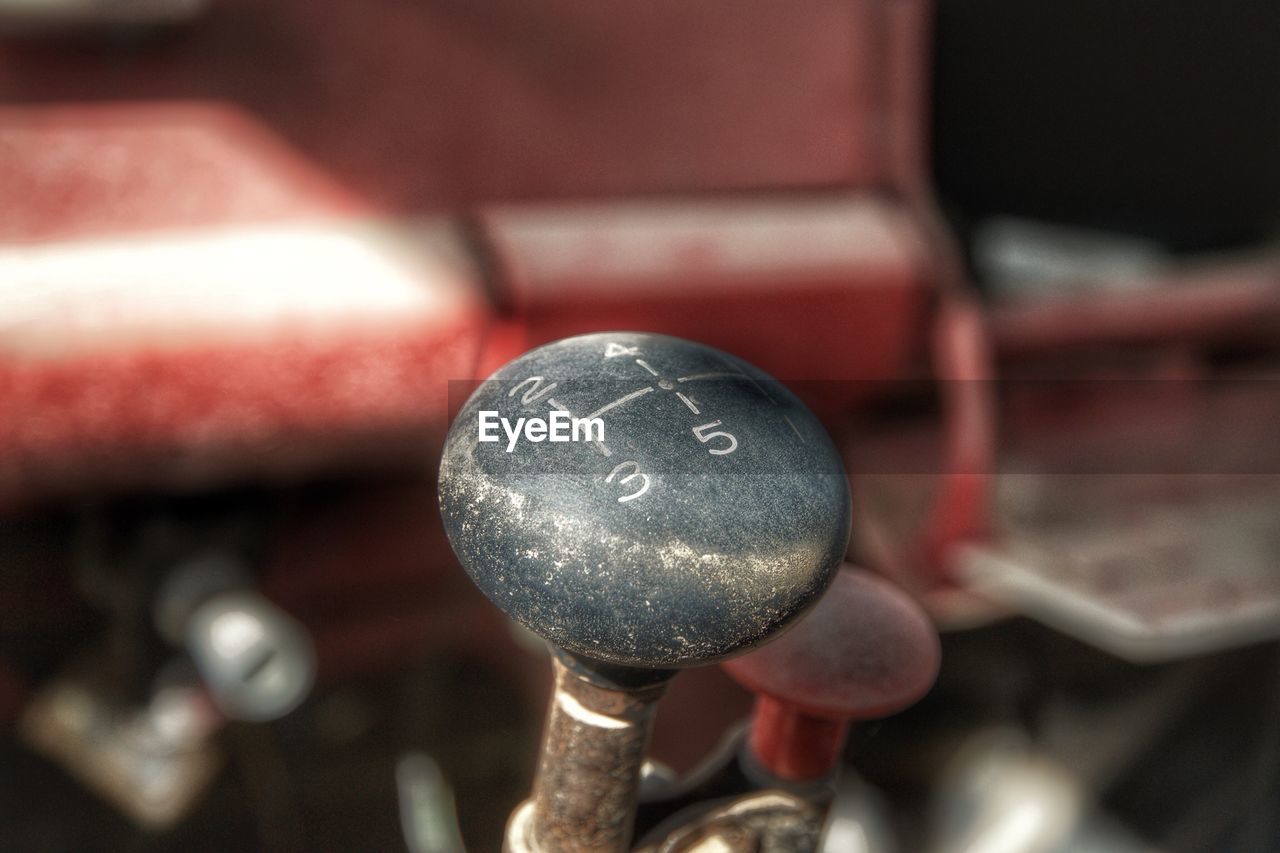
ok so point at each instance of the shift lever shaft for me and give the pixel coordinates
(707, 513)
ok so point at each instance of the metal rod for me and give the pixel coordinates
(584, 794)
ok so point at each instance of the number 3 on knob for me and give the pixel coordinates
(636, 472)
(700, 433)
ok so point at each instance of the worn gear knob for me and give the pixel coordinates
(711, 512)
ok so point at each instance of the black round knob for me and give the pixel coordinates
(698, 508)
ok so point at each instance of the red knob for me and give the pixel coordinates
(866, 650)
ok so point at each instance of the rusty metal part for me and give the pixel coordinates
(151, 762)
(584, 795)
(763, 822)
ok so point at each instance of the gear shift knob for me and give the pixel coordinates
(702, 510)
(712, 512)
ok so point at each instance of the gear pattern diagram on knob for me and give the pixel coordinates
(718, 438)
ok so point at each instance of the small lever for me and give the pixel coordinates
(867, 650)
